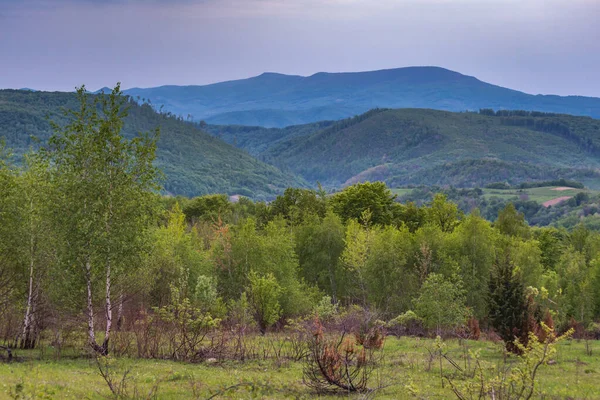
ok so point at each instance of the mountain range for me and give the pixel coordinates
(401, 146)
(277, 100)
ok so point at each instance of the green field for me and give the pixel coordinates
(573, 374)
(540, 194)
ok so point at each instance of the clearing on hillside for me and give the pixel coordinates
(555, 201)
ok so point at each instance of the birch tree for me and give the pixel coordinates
(37, 244)
(106, 185)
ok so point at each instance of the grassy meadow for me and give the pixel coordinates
(538, 194)
(405, 371)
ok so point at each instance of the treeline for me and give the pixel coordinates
(539, 121)
(89, 250)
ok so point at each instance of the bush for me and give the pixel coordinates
(338, 362)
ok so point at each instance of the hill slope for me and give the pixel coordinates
(419, 146)
(193, 161)
(276, 100)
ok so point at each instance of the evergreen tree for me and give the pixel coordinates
(510, 310)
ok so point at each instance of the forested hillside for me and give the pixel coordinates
(277, 100)
(428, 147)
(193, 161)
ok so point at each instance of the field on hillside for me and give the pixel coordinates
(406, 371)
(538, 194)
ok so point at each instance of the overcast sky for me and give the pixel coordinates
(537, 46)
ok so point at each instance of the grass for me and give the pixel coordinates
(574, 375)
(540, 194)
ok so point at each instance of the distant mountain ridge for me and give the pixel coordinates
(278, 100)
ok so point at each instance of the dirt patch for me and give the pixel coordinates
(555, 201)
(560, 189)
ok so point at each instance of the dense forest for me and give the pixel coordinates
(192, 161)
(427, 147)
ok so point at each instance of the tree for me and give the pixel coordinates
(351, 202)
(208, 208)
(551, 245)
(443, 213)
(389, 280)
(263, 294)
(441, 303)
(10, 275)
(577, 284)
(472, 246)
(511, 222)
(354, 257)
(319, 244)
(511, 311)
(37, 244)
(173, 260)
(106, 188)
(295, 205)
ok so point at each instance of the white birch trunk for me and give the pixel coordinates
(108, 311)
(90, 306)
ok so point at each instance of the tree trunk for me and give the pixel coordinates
(90, 311)
(27, 339)
(120, 312)
(107, 311)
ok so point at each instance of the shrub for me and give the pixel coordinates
(338, 362)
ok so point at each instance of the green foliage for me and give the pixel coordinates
(208, 208)
(319, 244)
(443, 213)
(296, 205)
(389, 280)
(263, 294)
(511, 222)
(189, 325)
(472, 245)
(174, 260)
(441, 303)
(375, 197)
(105, 188)
(510, 309)
(326, 309)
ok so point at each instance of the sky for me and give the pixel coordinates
(537, 46)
